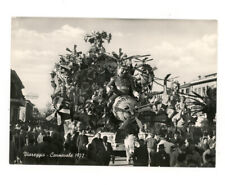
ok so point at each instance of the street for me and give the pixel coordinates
(120, 161)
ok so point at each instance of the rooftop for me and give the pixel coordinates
(201, 79)
(16, 79)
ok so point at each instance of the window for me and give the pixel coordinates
(187, 91)
(199, 91)
(203, 91)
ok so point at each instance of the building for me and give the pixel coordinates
(200, 85)
(26, 112)
(20, 108)
(17, 99)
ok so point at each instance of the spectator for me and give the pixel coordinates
(181, 160)
(74, 142)
(167, 145)
(209, 160)
(151, 146)
(31, 148)
(40, 138)
(140, 156)
(193, 156)
(176, 138)
(162, 158)
(96, 149)
(174, 155)
(108, 151)
(208, 156)
(82, 141)
(68, 142)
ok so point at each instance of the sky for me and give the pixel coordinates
(184, 48)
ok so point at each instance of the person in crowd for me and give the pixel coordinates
(140, 155)
(48, 136)
(65, 160)
(181, 160)
(57, 140)
(193, 156)
(74, 137)
(209, 160)
(22, 139)
(165, 143)
(82, 141)
(175, 151)
(187, 132)
(176, 138)
(162, 158)
(35, 134)
(13, 148)
(68, 141)
(108, 151)
(151, 145)
(208, 156)
(96, 149)
(203, 144)
(40, 137)
(31, 148)
(129, 143)
(157, 137)
(211, 139)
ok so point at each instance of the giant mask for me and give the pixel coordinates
(144, 75)
(122, 70)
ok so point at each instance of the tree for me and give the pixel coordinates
(206, 104)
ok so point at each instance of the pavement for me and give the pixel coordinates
(120, 161)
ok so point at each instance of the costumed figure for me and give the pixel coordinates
(181, 109)
(170, 97)
(121, 85)
(62, 89)
(143, 80)
(122, 96)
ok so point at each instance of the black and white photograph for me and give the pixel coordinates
(113, 92)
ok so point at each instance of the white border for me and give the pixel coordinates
(178, 9)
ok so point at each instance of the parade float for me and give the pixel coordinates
(112, 92)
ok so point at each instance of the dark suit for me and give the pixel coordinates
(107, 153)
(162, 159)
(82, 141)
(96, 151)
(141, 156)
(74, 148)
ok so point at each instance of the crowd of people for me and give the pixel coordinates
(168, 147)
(38, 145)
(189, 147)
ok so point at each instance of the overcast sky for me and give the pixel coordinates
(183, 48)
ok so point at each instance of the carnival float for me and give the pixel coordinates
(113, 92)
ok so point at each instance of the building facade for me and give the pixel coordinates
(26, 111)
(17, 99)
(20, 108)
(200, 85)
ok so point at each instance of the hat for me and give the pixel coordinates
(161, 146)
